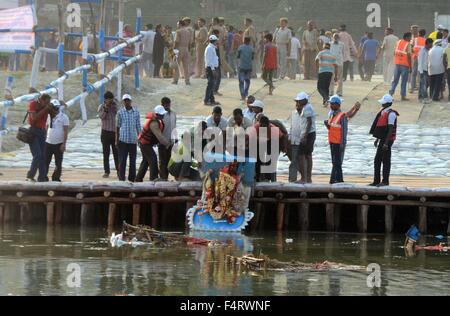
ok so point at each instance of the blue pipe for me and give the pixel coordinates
(137, 83)
(61, 57)
(103, 48)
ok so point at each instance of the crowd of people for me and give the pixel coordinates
(225, 51)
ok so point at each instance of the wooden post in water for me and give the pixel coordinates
(136, 214)
(363, 214)
(330, 219)
(8, 213)
(303, 216)
(423, 219)
(50, 213)
(280, 212)
(2, 209)
(58, 213)
(154, 209)
(24, 213)
(111, 215)
(84, 214)
(388, 219)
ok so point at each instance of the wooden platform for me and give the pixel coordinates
(281, 195)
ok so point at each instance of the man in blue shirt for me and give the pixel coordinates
(370, 54)
(128, 129)
(245, 56)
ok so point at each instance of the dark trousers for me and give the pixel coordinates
(125, 151)
(209, 94)
(348, 70)
(149, 160)
(49, 152)
(109, 142)
(157, 69)
(164, 157)
(369, 66)
(436, 86)
(361, 69)
(323, 85)
(337, 155)
(267, 76)
(184, 170)
(37, 151)
(424, 85)
(383, 157)
(217, 79)
(448, 81)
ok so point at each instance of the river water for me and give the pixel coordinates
(35, 261)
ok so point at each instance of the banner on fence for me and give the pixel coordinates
(16, 27)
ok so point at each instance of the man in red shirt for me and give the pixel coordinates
(38, 112)
(269, 66)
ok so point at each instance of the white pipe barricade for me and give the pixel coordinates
(102, 56)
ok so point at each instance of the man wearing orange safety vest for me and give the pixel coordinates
(418, 42)
(337, 125)
(402, 61)
(151, 136)
(384, 129)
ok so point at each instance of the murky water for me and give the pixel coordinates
(34, 261)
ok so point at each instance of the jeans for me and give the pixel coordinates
(209, 94)
(403, 72)
(337, 156)
(37, 151)
(424, 85)
(383, 157)
(125, 151)
(50, 151)
(414, 73)
(323, 85)
(348, 70)
(369, 66)
(149, 159)
(244, 81)
(436, 86)
(147, 60)
(217, 79)
(109, 142)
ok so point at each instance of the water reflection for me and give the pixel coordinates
(34, 261)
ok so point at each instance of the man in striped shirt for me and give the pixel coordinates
(327, 64)
(128, 129)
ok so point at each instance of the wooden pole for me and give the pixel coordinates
(330, 219)
(2, 209)
(8, 213)
(388, 219)
(58, 213)
(303, 216)
(24, 213)
(136, 214)
(280, 216)
(363, 213)
(111, 215)
(84, 214)
(154, 209)
(257, 219)
(50, 214)
(423, 219)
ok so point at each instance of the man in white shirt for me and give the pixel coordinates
(55, 144)
(388, 47)
(294, 57)
(282, 38)
(147, 54)
(216, 119)
(248, 112)
(337, 49)
(423, 70)
(211, 66)
(436, 70)
(302, 137)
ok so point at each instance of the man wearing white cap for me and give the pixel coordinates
(302, 137)
(384, 129)
(258, 108)
(211, 66)
(128, 129)
(55, 144)
(152, 135)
